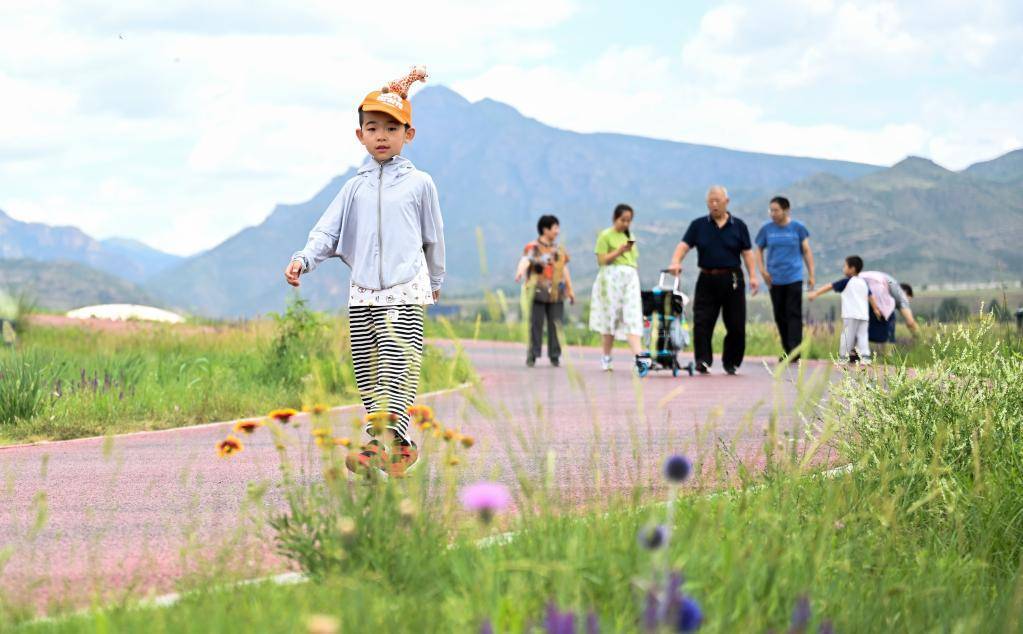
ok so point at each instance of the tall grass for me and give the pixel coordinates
(922, 532)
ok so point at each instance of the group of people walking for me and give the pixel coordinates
(780, 254)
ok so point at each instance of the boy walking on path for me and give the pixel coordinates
(386, 225)
(857, 304)
(787, 243)
(544, 266)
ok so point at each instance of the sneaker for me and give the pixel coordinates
(555, 362)
(702, 367)
(373, 455)
(404, 457)
(530, 362)
(730, 370)
(605, 363)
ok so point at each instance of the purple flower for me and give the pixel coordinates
(559, 622)
(653, 537)
(689, 616)
(486, 627)
(677, 468)
(826, 628)
(800, 616)
(485, 498)
(592, 623)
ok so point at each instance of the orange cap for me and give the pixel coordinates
(393, 98)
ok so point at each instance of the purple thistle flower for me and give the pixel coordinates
(689, 616)
(485, 498)
(677, 468)
(653, 537)
(800, 615)
(486, 627)
(559, 622)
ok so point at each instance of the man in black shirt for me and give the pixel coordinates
(720, 239)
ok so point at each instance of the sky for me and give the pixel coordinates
(181, 123)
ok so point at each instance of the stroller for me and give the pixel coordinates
(667, 304)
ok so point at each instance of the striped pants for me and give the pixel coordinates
(387, 352)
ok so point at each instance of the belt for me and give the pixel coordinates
(720, 271)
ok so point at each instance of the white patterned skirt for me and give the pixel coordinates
(415, 292)
(615, 304)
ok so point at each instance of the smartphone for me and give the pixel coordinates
(630, 242)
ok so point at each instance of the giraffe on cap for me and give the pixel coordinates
(401, 86)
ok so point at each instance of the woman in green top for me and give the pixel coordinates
(615, 306)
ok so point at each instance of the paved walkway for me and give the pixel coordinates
(137, 511)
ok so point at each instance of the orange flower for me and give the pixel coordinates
(229, 446)
(449, 434)
(420, 414)
(248, 426)
(316, 409)
(467, 441)
(282, 415)
(344, 442)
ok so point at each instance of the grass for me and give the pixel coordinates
(87, 382)
(921, 534)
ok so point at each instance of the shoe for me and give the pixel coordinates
(530, 362)
(556, 362)
(702, 367)
(605, 363)
(643, 364)
(404, 456)
(373, 455)
(729, 370)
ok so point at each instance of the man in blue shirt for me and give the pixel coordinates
(787, 243)
(720, 239)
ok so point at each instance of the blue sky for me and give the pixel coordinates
(180, 123)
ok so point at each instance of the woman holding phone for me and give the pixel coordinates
(615, 306)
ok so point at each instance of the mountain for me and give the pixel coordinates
(917, 220)
(1007, 168)
(496, 170)
(128, 259)
(63, 285)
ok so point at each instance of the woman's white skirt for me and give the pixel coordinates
(615, 304)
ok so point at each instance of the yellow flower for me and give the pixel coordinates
(467, 441)
(282, 415)
(454, 461)
(229, 446)
(316, 409)
(420, 414)
(248, 426)
(379, 420)
(425, 426)
(344, 442)
(320, 432)
(322, 624)
(449, 434)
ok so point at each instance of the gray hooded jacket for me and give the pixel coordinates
(378, 224)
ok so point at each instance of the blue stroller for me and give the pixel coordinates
(666, 304)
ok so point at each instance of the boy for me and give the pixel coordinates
(857, 301)
(544, 265)
(385, 224)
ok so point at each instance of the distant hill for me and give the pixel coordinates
(63, 285)
(128, 259)
(1007, 168)
(498, 170)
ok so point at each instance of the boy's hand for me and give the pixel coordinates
(767, 278)
(674, 269)
(292, 271)
(436, 295)
(877, 313)
(571, 297)
(754, 285)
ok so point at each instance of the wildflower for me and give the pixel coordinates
(322, 624)
(425, 426)
(420, 414)
(690, 618)
(559, 622)
(346, 526)
(449, 434)
(800, 616)
(248, 426)
(228, 446)
(454, 461)
(653, 537)
(379, 420)
(486, 498)
(343, 442)
(467, 441)
(282, 415)
(321, 436)
(677, 468)
(407, 508)
(316, 409)
(486, 627)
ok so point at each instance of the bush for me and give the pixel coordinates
(26, 385)
(301, 335)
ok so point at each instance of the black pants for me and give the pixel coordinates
(787, 301)
(552, 313)
(720, 294)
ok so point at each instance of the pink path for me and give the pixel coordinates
(139, 513)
